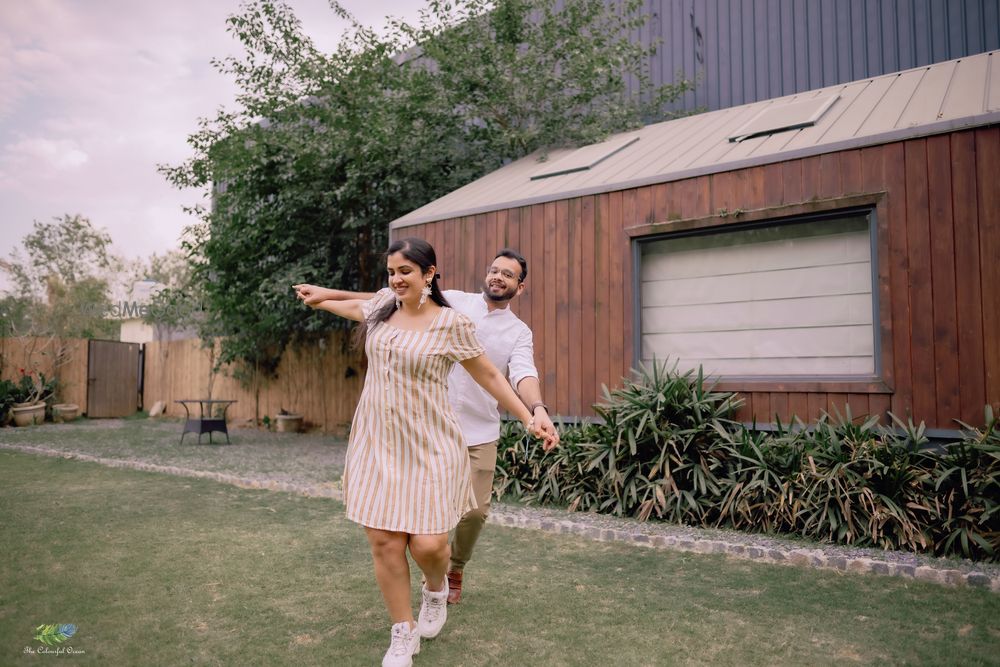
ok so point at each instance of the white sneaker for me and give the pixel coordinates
(405, 644)
(433, 611)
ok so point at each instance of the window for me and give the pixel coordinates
(784, 116)
(584, 158)
(776, 300)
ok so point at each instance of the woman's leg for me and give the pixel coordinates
(392, 572)
(431, 553)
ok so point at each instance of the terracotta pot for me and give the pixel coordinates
(28, 415)
(288, 423)
(64, 412)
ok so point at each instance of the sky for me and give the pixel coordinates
(94, 94)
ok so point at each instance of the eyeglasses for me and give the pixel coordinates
(509, 275)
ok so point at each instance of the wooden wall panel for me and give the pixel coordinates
(561, 250)
(938, 216)
(587, 388)
(899, 262)
(524, 233)
(575, 306)
(602, 291)
(547, 321)
(773, 194)
(943, 294)
(919, 283)
(987, 168)
(616, 288)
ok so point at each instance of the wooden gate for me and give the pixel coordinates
(112, 379)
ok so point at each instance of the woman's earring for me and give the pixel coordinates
(399, 304)
(424, 293)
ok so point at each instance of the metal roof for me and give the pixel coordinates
(939, 98)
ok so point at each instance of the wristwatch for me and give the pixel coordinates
(535, 406)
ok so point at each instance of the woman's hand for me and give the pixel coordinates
(311, 295)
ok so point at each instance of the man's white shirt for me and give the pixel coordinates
(508, 344)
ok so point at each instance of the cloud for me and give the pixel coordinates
(57, 154)
(94, 95)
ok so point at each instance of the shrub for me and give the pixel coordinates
(655, 453)
(559, 477)
(652, 456)
(860, 484)
(8, 397)
(759, 493)
(966, 482)
(669, 449)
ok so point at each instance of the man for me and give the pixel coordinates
(508, 344)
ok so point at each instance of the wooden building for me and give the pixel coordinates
(835, 247)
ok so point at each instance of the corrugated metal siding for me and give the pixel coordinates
(750, 50)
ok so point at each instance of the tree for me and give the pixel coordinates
(61, 281)
(323, 151)
(176, 303)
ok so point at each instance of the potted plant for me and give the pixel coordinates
(287, 422)
(65, 412)
(29, 398)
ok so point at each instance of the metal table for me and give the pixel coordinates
(205, 424)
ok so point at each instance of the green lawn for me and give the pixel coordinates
(160, 570)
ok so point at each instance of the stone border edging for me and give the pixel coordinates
(511, 517)
(815, 558)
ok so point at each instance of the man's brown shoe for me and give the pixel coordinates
(454, 587)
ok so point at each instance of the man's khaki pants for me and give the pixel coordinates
(484, 460)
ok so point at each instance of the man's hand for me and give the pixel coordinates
(545, 425)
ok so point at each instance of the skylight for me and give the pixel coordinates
(783, 117)
(586, 157)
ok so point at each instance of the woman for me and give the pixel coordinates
(407, 478)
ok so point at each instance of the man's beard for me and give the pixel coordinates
(502, 297)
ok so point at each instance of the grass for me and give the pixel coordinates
(160, 570)
(254, 454)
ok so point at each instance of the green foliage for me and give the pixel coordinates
(9, 393)
(654, 449)
(668, 448)
(524, 470)
(31, 388)
(652, 456)
(967, 493)
(324, 150)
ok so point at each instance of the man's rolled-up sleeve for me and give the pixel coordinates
(522, 358)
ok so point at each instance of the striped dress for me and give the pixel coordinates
(407, 468)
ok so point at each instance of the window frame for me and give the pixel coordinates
(871, 205)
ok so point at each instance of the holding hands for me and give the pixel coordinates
(541, 427)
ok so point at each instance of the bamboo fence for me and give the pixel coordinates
(62, 358)
(320, 380)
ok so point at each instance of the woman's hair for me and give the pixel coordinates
(420, 253)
